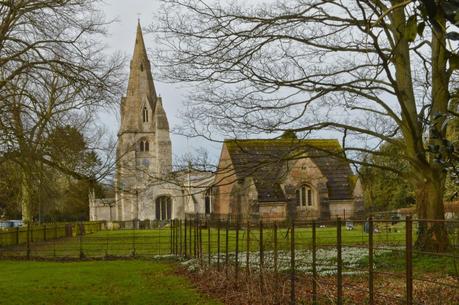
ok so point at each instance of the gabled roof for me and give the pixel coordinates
(266, 161)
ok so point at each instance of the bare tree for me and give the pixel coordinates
(53, 73)
(369, 71)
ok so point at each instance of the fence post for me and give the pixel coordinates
(276, 274)
(54, 239)
(177, 237)
(181, 238)
(44, 232)
(261, 260)
(188, 241)
(339, 261)
(237, 250)
(247, 254)
(409, 259)
(314, 264)
(208, 243)
(370, 260)
(185, 240)
(200, 240)
(106, 243)
(28, 240)
(17, 235)
(158, 229)
(226, 247)
(171, 242)
(218, 244)
(190, 234)
(174, 235)
(134, 222)
(195, 238)
(81, 240)
(292, 263)
(171, 245)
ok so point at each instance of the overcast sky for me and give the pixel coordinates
(121, 38)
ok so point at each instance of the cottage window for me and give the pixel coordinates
(304, 196)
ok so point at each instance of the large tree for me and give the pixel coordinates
(53, 73)
(370, 71)
(55, 195)
(385, 190)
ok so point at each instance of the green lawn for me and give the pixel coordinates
(422, 263)
(95, 282)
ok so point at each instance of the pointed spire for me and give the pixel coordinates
(140, 78)
(160, 116)
(140, 52)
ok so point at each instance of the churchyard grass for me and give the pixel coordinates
(157, 242)
(129, 242)
(95, 282)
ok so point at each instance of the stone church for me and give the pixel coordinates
(260, 178)
(145, 185)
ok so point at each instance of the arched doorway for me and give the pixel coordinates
(163, 208)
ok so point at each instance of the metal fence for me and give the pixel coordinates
(43, 232)
(323, 262)
(86, 240)
(318, 262)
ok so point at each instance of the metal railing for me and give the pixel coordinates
(314, 252)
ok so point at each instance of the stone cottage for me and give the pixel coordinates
(280, 178)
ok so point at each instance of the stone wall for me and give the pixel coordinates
(273, 211)
(102, 209)
(225, 179)
(342, 208)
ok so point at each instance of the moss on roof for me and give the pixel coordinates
(353, 180)
(323, 144)
(267, 161)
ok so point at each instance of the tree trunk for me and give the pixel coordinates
(431, 235)
(26, 202)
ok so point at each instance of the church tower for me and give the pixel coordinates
(144, 155)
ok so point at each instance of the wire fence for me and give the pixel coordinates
(318, 262)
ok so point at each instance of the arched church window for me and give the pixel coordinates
(208, 201)
(145, 114)
(304, 196)
(144, 145)
(163, 208)
(141, 67)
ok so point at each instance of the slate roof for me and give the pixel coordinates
(265, 160)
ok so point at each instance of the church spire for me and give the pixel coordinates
(140, 78)
(140, 52)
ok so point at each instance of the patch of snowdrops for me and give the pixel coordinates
(326, 260)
